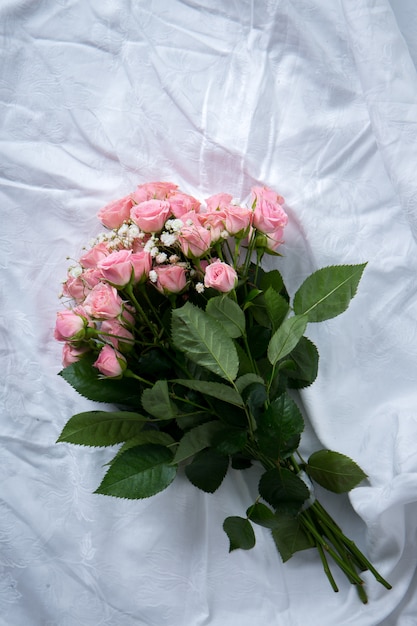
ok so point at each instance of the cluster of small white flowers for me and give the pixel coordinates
(174, 225)
(168, 239)
(153, 276)
(161, 257)
(199, 287)
(75, 271)
(174, 258)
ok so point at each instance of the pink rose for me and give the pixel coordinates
(69, 326)
(71, 354)
(74, 288)
(110, 362)
(150, 215)
(220, 276)
(215, 223)
(193, 238)
(171, 278)
(153, 191)
(117, 268)
(103, 302)
(182, 203)
(142, 264)
(238, 220)
(218, 201)
(91, 278)
(268, 215)
(92, 257)
(115, 213)
(274, 239)
(116, 334)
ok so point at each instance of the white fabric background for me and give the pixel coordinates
(317, 99)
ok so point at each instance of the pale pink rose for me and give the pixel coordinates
(193, 238)
(69, 326)
(218, 201)
(110, 362)
(182, 203)
(215, 223)
(117, 268)
(238, 219)
(71, 353)
(74, 288)
(268, 214)
(142, 264)
(153, 191)
(115, 213)
(274, 239)
(91, 278)
(150, 215)
(92, 257)
(116, 334)
(171, 278)
(103, 302)
(220, 276)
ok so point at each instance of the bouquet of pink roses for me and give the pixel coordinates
(172, 319)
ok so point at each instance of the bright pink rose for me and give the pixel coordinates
(110, 362)
(171, 278)
(268, 215)
(150, 215)
(116, 334)
(238, 219)
(193, 238)
(117, 267)
(220, 276)
(218, 201)
(182, 203)
(103, 302)
(69, 326)
(153, 191)
(115, 213)
(142, 264)
(92, 257)
(72, 354)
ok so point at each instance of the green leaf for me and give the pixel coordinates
(289, 536)
(247, 379)
(278, 426)
(272, 279)
(204, 341)
(156, 401)
(328, 291)
(287, 336)
(102, 428)
(207, 470)
(240, 533)
(228, 313)
(230, 440)
(276, 307)
(217, 390)
(303, 364)
(262, 515)
(258, 340)
(255, 397)
(140, 472)
(281, 488)
(334, 471)
(144, 437)
(196, 439)
(84, 378)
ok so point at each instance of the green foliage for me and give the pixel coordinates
(240, 533)
(283, 490)
(289, 536)
(102, 428)
(207, 469)
(139, 472)
(334, 471)
(196, 439)
(204, 341)
(229, 314)
(156, 401)
(84, 378)
(278, 428)
(328, 291)
(285, 339)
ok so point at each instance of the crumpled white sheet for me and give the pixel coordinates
(315, 99)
